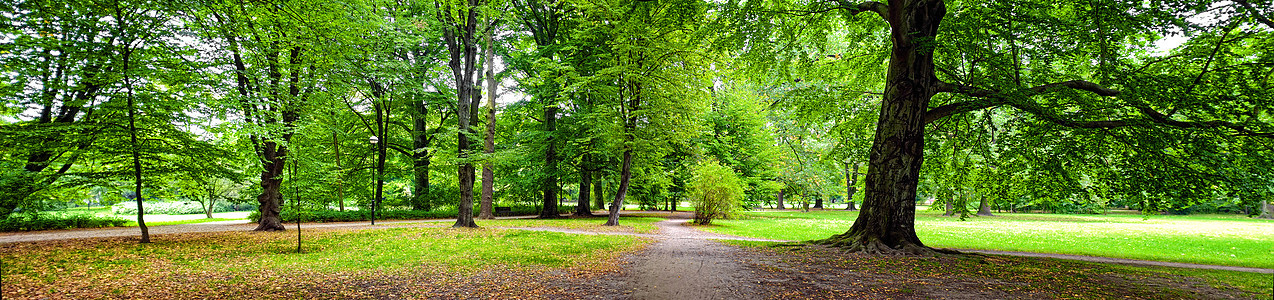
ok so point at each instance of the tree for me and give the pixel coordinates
(461, 35)
(1126, 85)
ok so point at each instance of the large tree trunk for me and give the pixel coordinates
(984, 209)
(887, 220)
(626, 171)
(271, 180)
(599, 196)
(550, 165)
(460, 36)
(420, 157)
(851, 186)
(781, 200)
(582, 208)
(950, 208)
(488, 173)
(818, 202)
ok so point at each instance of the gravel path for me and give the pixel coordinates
(684, 264)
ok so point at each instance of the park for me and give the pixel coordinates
(636, 149)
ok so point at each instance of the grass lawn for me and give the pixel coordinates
(1205, 239)
(266, 265)
(634, 224)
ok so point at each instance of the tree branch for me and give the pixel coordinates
(880, 9)
(991, 98)
(1256, 13)
(986, 98)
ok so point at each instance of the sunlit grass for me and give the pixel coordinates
(1207, 239)
(636, 224)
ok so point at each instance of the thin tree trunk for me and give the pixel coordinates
(851, 186)
(137, 155)
(488, 174)
(340, 180)
(887, 221)
(626, 171)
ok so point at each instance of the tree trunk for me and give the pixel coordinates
(549, 186)
(488, 173)
(420, 157)
(781, 200)
(626, 171)
(460, 35)
(271, 180)
(851, 186)
(582, 208)
(1267, 210)
(340, 172)
(950, 208)
(818, 202)
(887, 221)
(137, 156)
(600, 196)
(984, 209)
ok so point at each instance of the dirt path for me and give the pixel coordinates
(684, 264)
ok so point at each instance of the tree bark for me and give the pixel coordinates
(420, 157)
(818, 202)
(582, 208)
(549, 186)
(984, 209)
(488, 173)
(340, 175)
(271, 180)
(599, 186)
(851, 186)
(626, 171)
(136, 151)
(781, 200)
(1267, 210)
(950, 208)
(887, 221)
(459, 36)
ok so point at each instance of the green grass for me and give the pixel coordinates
(449, 248)
(1205, 239)
(638, 224)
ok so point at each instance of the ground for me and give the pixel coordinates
(671, 260)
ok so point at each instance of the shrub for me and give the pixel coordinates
(47, 222)
(715, 192)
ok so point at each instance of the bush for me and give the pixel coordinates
(715, 192)
(176, 208)
(46, 222)
(366, 215)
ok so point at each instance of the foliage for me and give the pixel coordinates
(715, 192)
(25, 222)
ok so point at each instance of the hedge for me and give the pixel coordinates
(47, 222)
(175, 208)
